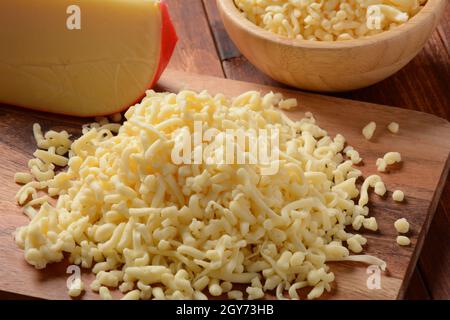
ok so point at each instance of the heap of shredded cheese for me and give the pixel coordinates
(164, 231)
(331, 20)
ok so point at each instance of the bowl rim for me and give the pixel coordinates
(229, 8)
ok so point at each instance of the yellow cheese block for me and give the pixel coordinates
(82, 57)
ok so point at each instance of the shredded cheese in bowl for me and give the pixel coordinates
(331, 20)
(156, 229)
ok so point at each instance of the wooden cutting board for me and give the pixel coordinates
(423, 141)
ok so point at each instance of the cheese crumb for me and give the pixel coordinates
(403, 241)
(132, 295)
(288, 104)
(388, 159)
(398, 196)
(353, 155)
(356, 242)
(23, 177)
(254, 293)
(380, 188)
(369, 130)
(235, 295)
(358, 222)
(401, 225)
(370, 224)
(104, 293)
(394, 127)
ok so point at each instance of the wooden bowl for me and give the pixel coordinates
(331, 66)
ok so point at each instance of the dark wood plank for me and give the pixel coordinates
(225, 46)
(239, 68)
(195, 51)
(444, 28)
(435, 258)
(13, 296)
(422, 85)
(417, 289)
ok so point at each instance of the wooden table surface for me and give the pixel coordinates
(423, 84)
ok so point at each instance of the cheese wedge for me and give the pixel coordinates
(95, 58)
